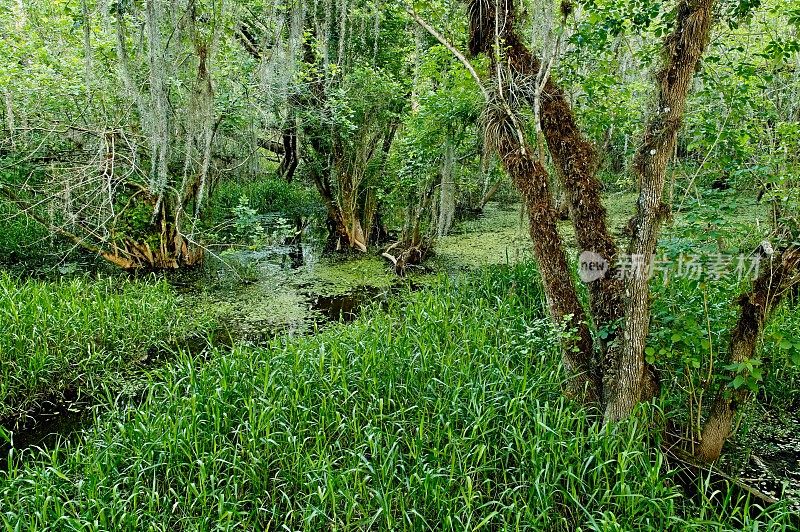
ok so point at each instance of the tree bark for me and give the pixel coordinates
(774, 282)
(290, 160)
(683, 49)
(574, 157)
(532, 181)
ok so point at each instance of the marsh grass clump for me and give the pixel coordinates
(74, 334)
(443, 412)
(23, 240)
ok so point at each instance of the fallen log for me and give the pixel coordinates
(408, 256)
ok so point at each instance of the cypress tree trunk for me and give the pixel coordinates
(683, 49)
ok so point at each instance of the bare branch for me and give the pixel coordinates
(444, 42)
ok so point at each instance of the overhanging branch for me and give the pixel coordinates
(444, 42)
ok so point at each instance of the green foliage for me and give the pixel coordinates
(790, 345)
(747, 373)
(249, 226)
(264, 196)
(718, 222)
(362, 104)
(743, 111)
(781, 353)
(682, 337)
(608, 19)
(20, 237)
(246, 221)
(72, 334)
(744, 116)
(444, 121)
(136, 222)
(446, 411)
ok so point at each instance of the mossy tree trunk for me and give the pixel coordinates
(779, 275)
(683, 50)
(492, 32)
(531, 180)
(613, 370)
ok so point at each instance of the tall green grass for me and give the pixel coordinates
(60, 335)
(444, 412)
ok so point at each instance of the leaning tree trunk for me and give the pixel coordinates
(683, 49)
(492, 32)
(532, 181)
(574, 157)
(774, 282)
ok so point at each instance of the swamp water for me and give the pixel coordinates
(254, 294)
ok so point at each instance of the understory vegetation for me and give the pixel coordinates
(367, 264)
(444, 410)
(76, 334)
(265, 196)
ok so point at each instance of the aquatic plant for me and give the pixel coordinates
(73, 334)
(445, 411)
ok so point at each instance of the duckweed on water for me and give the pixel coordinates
(332, 277)
(498, 236)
